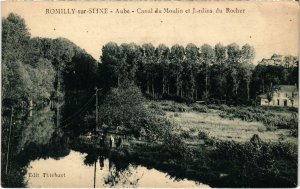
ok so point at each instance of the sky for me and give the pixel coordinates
(270, 27)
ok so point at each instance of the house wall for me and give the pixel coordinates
(264, 102)
(280, 98)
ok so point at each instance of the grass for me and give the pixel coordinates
(192, 121)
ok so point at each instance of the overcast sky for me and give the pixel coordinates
(270, 27)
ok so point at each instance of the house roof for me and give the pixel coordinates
(286, 88)
(262, 96)
(281, 88)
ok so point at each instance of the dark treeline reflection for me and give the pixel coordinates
(121, 169)
(32, 137)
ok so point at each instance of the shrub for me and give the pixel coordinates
(174, 145)
(270, 120)
(213, 106)
(175, 108)
(200, 108)
(294, 132)
(192, 130)
(185, 134)
(270, 164)
(156, 109)
(203, 135)
(124, 108)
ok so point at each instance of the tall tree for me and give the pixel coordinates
(247, 56)
(207, 59)
(131, 54)
(163, 55)
(234, 54)
(112, 62)
(149, 60)
(177, 58)
(15, 37)
(191, 70)
(219, 72)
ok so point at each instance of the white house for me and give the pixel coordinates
(282, 95)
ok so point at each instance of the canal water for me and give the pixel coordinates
(71, 171)
(43, 152)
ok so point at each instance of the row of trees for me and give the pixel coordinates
(38, 69)
(224, 73)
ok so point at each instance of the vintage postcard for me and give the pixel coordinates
(159, 94)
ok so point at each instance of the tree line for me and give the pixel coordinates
(221, 73)
(36, 69)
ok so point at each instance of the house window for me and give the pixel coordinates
(278, 102)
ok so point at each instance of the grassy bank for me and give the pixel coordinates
(229, 164)
(225, 123)
(217, 150)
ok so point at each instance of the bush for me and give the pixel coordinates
(294, 132)
(270, 120)
(174, 145)
(213, 106)
(203, 135)
(185, 134)
(124, 108)
(270, 164)
(175, 108)
(192, 130)
(200, 108)
(157, 109)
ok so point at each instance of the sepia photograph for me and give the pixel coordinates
(149, 94)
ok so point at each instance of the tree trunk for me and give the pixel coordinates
(8, 143)
(248, 91)
(57, 114)
(148, 90)
(263, 85)
(177, 85)
(118, 81)
(163, 84)
(206, 79)
(152, 88)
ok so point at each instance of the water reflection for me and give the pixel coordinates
(34, 136)
(109, 173)
(45, 154)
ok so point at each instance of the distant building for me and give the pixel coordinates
(282, 95)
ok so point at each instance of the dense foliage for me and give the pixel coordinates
(218, 74)
(40, 69)
(255, 166)
(213, 74)
(124, 110)
(270, 119)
